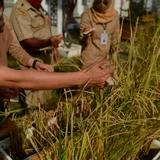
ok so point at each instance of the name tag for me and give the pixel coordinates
(104, 38)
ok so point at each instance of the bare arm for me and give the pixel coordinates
(94, 75)
(36, 43)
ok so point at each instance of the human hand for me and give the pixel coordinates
(120, 50)
(56, 54)
(56, 40)
(7, 93)
(97, 75)
(43, 67)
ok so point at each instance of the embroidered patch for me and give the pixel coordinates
(20, 13)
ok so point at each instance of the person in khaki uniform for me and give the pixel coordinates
(103, 22)
(9, 43)
(33, 31)
(93, 75)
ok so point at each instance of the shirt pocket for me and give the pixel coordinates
(37, 23)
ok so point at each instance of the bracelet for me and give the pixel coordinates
(34, 64)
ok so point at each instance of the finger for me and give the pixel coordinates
(44, 67)
(109, 70)
(59, 38)
(100, 85)
(56, 58)
(40, 69)
(49, 69)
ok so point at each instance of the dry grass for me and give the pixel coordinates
(118, 125)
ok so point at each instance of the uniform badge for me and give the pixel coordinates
(20, 13)
(104, 38)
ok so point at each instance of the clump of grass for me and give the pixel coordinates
(115, 126)
(35, 131)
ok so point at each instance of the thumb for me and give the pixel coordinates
(109, 70)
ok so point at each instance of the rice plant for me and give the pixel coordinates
(119, 124)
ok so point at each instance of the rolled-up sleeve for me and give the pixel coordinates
(15, 48)
(84, 22)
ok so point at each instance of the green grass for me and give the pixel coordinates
(12, 63)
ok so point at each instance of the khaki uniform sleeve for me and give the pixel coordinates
(115, 36)
(21, 23)
(15, 48)
(85, 21)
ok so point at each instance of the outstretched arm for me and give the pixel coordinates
(94, 75)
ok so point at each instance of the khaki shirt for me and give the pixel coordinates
(29, 22)
(9, 43)
(93, 50)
